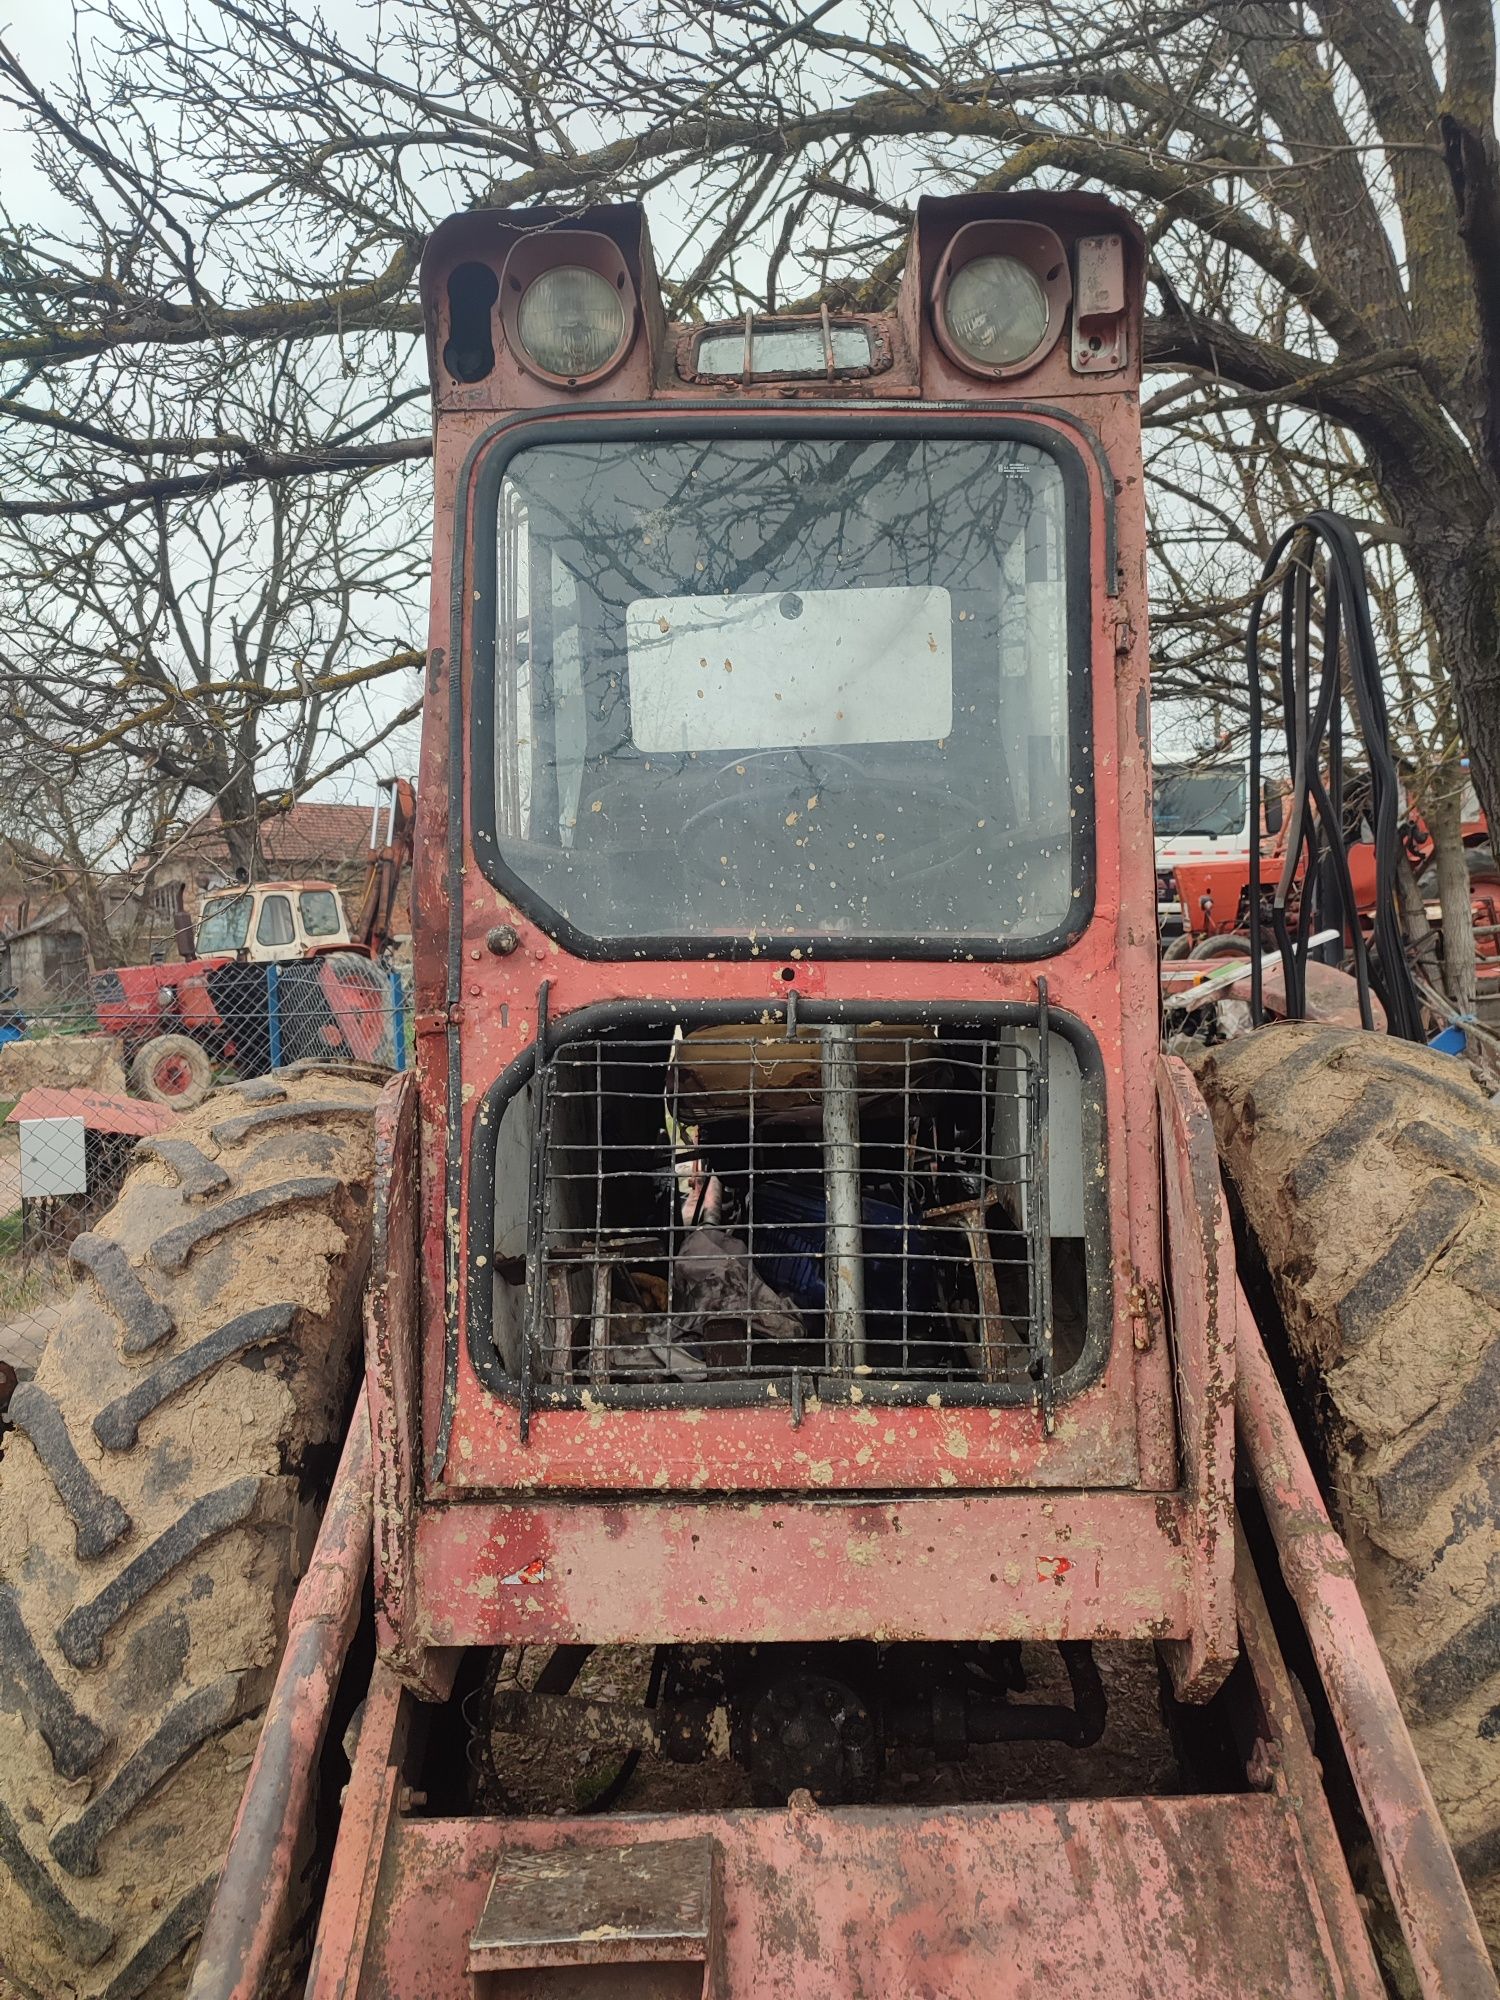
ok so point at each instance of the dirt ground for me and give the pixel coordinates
(555, 1774)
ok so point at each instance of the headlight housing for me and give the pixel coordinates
(1000, 297)
(568, 306)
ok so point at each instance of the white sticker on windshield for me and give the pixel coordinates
(776, 669)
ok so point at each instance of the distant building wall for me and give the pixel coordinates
(47, 966)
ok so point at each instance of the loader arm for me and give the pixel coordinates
(370, 924)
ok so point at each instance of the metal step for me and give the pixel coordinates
(643, 1920)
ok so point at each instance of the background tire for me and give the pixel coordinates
(158, 1501)
(1368, 1171)
(172, 1070)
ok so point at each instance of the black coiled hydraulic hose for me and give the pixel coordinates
(1313, 716)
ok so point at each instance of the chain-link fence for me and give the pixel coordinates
(90, 1070)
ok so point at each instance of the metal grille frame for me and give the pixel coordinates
(475, 1319)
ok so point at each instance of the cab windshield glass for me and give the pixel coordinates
(224, 924)
(802, 687)
(1188, 799)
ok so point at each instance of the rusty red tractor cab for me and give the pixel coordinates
(796, 1259)
(803, 1343)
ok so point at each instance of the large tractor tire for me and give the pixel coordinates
(1368, 1171)
(159, 1496)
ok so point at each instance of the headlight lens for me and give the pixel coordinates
(995, 311)
(571, 321)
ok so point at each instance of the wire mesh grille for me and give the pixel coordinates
(741, 1204)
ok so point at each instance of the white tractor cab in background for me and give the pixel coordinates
(1201, 812)
(272, 921)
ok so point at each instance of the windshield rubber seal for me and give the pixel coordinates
(476, 582)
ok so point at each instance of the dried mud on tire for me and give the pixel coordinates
(1369, 1173)
(158, 1500)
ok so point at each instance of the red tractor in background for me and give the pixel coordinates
(812, 1405)
(276, 972)
(1203, 882)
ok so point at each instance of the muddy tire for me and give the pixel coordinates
(172, 1070)
(1368, 1171)
(158, 1501)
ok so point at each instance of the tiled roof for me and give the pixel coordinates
(311, 833)
(305, 839)
(38, 916)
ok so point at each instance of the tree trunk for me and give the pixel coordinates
(1451, 867)
(1457, 571)
(87, 907)
(237, 811)
(1420, 936)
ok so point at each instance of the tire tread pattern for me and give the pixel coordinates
(1368, 1174)
(155, 1503)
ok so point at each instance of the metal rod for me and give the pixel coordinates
(1041, 1206)
(541, 1148)
(843, 1258)
(906, 1127)
(273, 1012)
(1437, 1920)
(247, 1920)
(1289, 1767)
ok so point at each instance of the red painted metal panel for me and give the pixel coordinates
(99, 1111)
(1280, 1756)
(998, 1566)
(369, 1808)
(392, 1367)
(1107, 979)
(835, 1448)
(1200, 1266)
(1014, 1563)
(247, 1924)
(1113, 1899)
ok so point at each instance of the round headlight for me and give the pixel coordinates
(571, 321)
(995, 311)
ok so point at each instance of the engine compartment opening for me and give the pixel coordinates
(825, 1208)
